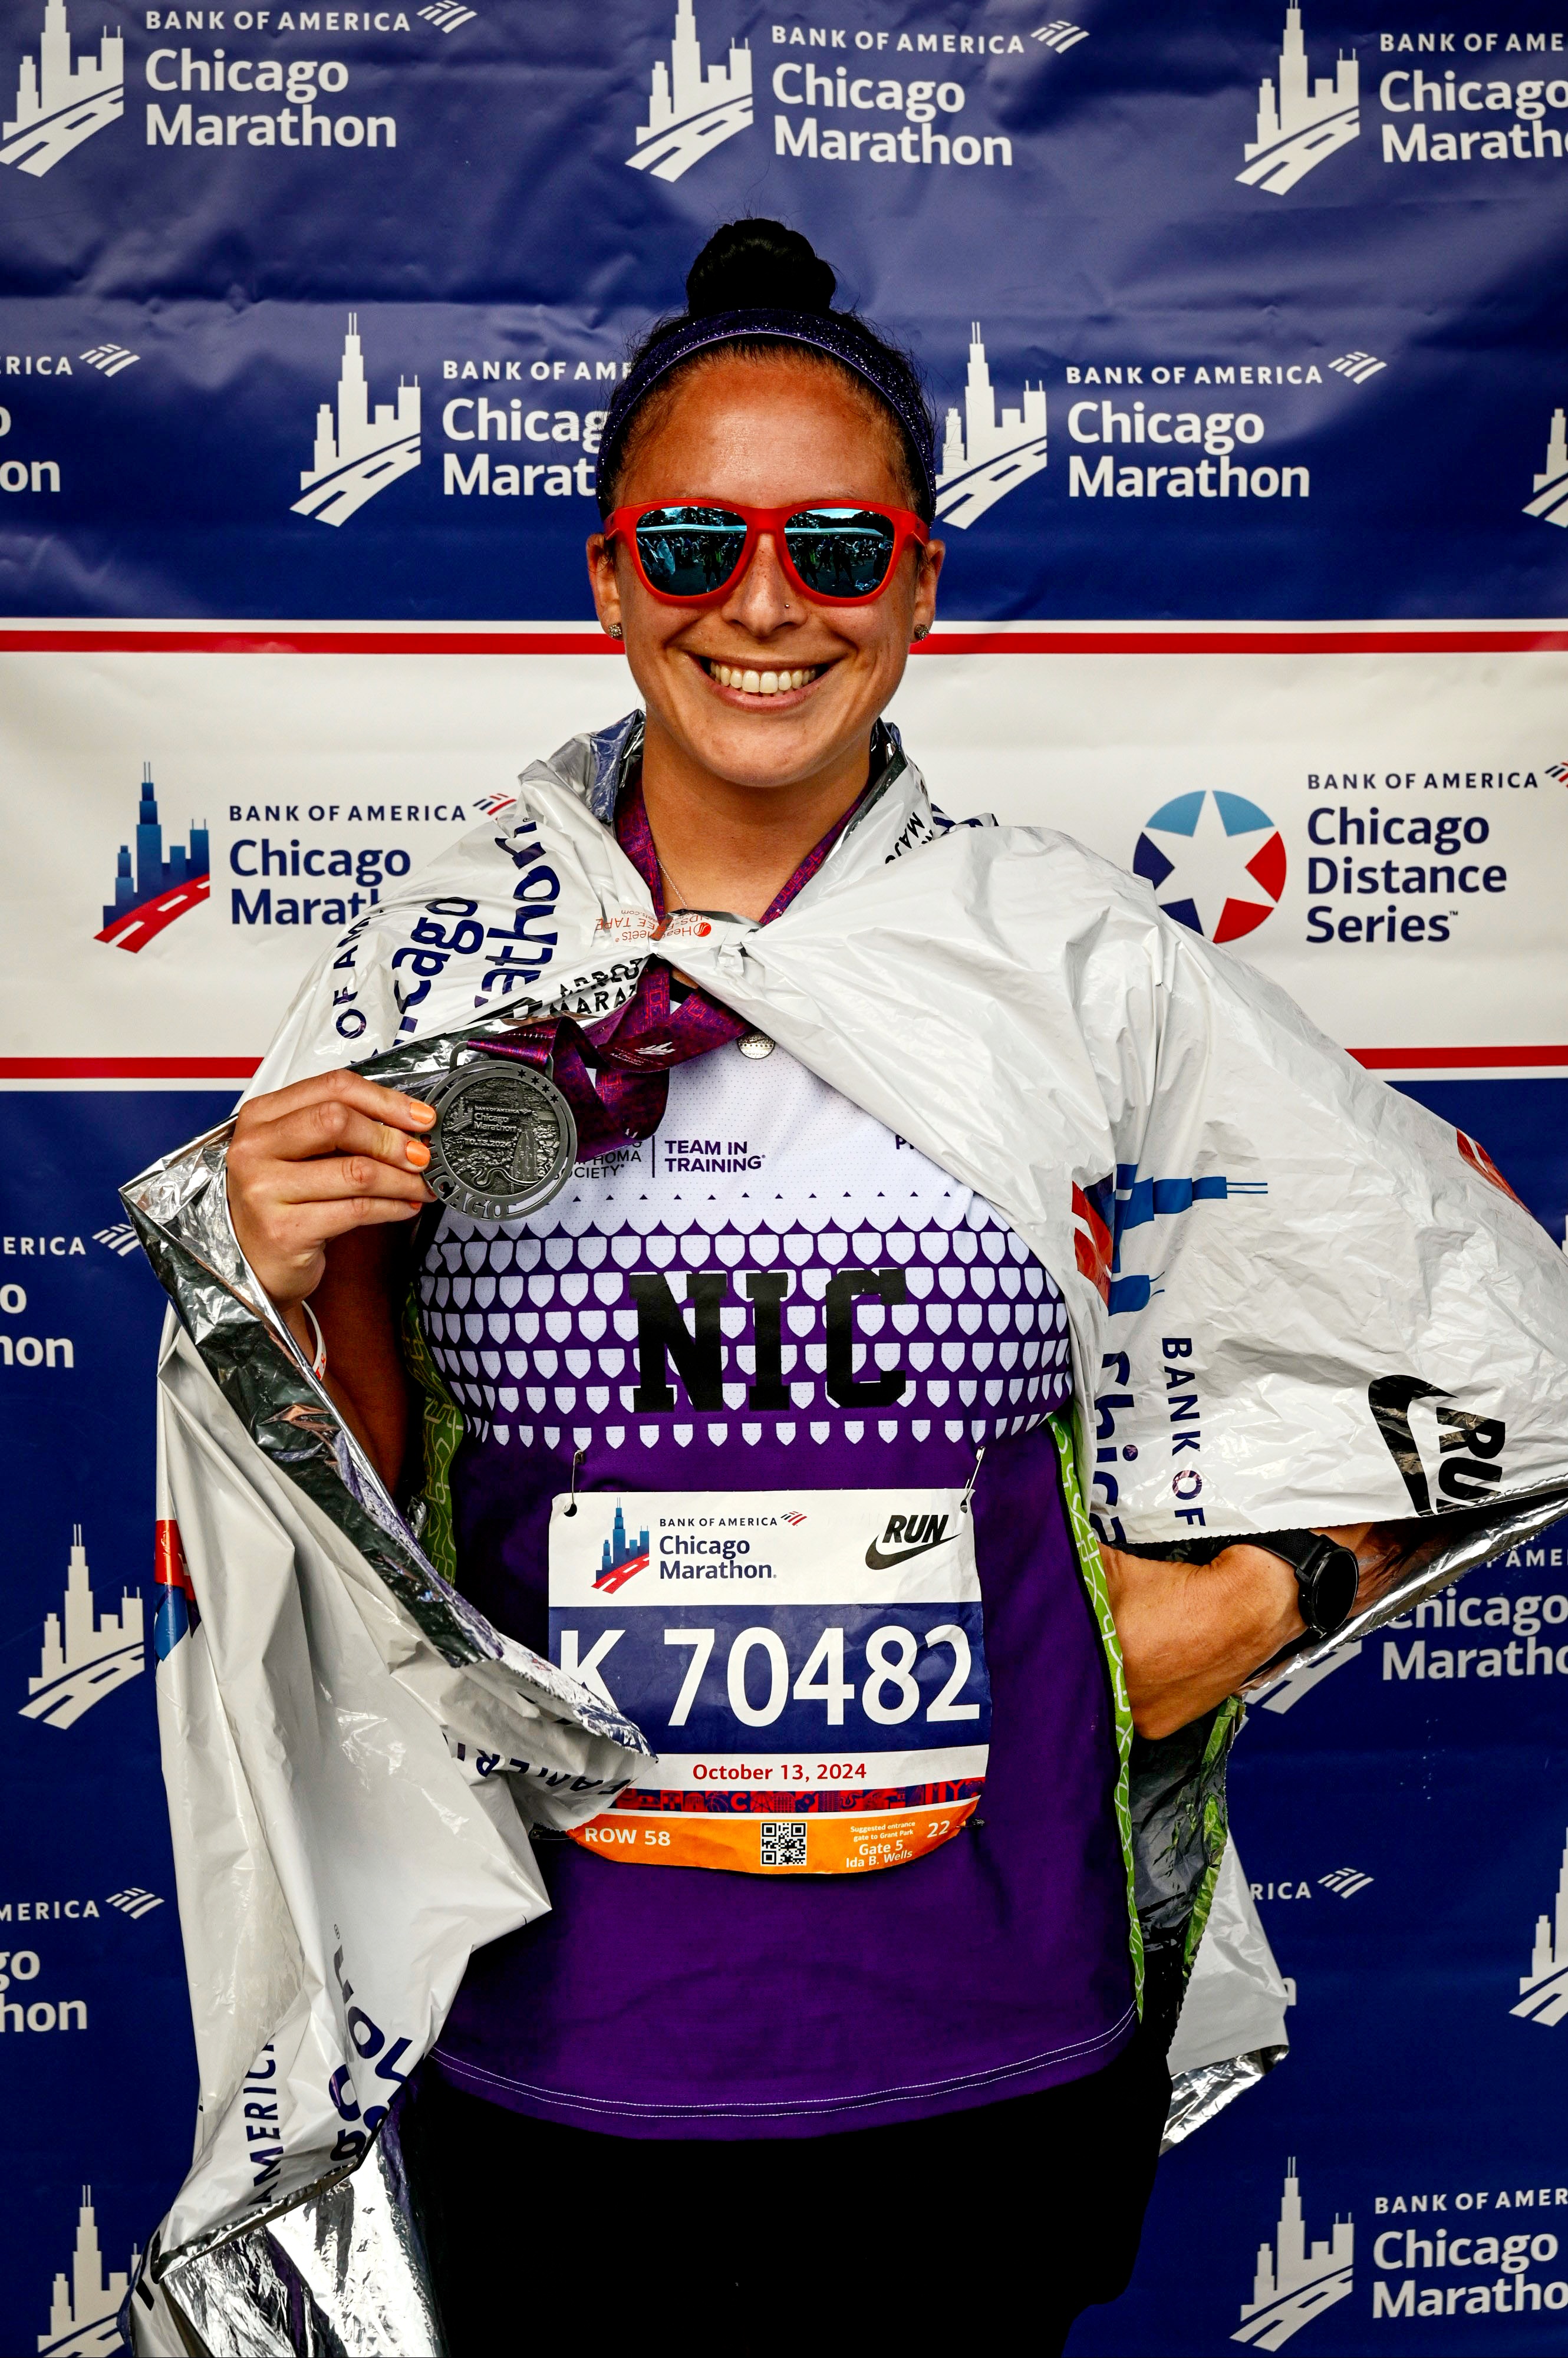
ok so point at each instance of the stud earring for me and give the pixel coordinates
(922, 630)
(613, 631)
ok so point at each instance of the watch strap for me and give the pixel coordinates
(1327, 1574)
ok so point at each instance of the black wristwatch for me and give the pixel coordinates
(1327, 1575)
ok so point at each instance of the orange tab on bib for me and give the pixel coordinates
(845, 1841)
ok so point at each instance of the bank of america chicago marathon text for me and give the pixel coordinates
(1513, 1636)
(361, 871)
(1214, 476)
(299, 80)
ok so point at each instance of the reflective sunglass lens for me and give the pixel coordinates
(841, 552)
(690, 552)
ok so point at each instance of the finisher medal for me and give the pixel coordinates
(504, 1141)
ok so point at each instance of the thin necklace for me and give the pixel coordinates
(683, 897)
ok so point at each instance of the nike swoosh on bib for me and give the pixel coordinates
(877, 1562)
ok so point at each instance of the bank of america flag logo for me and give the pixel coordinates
(136, 1901)
(1301, 123)
(60, 105)
(1295, 2281)
(1359, 366)
(1543, 1991)
(1216, 861)
(359, 453)
(109, 358)
(984, 459)
(1060, 35)
(691, 112)
(1551, 500)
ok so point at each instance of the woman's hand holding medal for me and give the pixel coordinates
(311, 1162)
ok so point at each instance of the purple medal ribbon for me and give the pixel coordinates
(632, 1052)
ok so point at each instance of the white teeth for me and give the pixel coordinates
(766, 683)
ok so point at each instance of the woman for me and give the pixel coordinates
(875, 1972)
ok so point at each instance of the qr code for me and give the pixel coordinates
(783, 1841)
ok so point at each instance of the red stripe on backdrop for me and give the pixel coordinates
(290, 640)
(1243, 642)
(240, 1069)
(128, 1068)
(1411, 1060)
(266, 640)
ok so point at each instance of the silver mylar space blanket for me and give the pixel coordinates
(1376, 1330)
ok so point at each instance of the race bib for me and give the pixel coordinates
(808, 1665)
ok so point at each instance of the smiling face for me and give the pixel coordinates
(766, 690)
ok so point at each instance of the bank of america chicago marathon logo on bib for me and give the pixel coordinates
(1215, 863)
(1295, 2280)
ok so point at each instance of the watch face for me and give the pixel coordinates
(1333, 1588)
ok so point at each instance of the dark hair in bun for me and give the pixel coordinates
(752, 263)
(758, 286)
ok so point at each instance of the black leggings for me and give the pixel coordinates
(942, 2231)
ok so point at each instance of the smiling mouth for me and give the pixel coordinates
(755, 681)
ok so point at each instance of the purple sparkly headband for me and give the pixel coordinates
(837, 333)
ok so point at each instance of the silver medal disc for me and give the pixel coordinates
(504, 1141)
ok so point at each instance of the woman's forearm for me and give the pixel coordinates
(358, 1302)
(1191, 1633)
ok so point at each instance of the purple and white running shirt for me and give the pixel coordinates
(672, 1321)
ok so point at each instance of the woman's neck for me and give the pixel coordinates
(724, 846)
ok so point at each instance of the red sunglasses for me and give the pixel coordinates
(692, 552)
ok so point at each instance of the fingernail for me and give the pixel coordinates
(418, 1153)
(420, 1111)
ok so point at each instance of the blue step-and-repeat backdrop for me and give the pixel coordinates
(1244, 329)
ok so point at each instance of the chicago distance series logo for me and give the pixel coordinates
(1216, 861)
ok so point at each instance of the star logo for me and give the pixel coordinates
(1215, 861)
